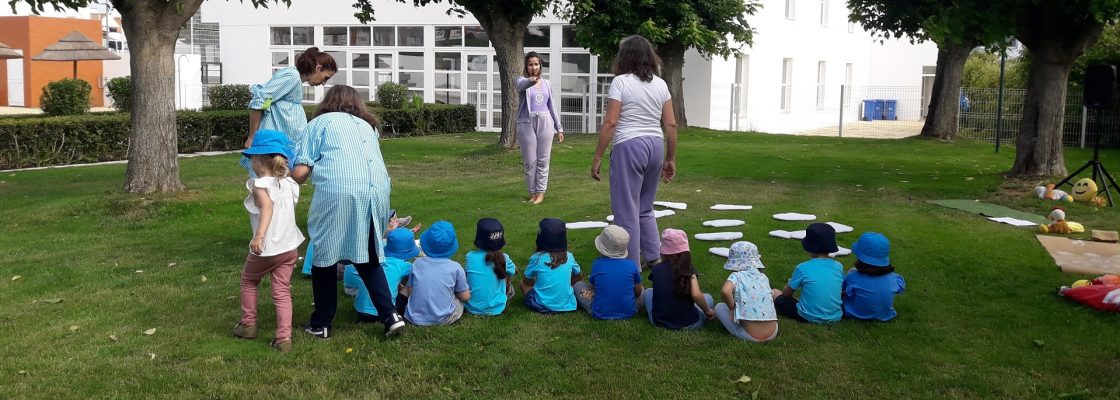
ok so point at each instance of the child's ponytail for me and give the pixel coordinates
(498, 259)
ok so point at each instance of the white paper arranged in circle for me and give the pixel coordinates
(719, 236)
(723, 223)
(671, 204)
(840, 228)
(729, 207)
(656, 214)
(843, 251)
(720, 251)
(794, 217)
(788, 234)
(586, 225)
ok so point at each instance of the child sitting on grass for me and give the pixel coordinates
(675, 301)
(399, 248)
(551, 271)
(819, 279)
(748, 310)
(870, 287)
(489, 270)
(437, 288)
(614, 288)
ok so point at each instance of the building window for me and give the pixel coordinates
(569, 37)
(280, 59)
(576, 70)
(342, 61)
(303, 36)
(382, 69)
(334, 36)
(787, 83)
(449, 36)
(537, 36)
(359, 74)
(820, 84)
(791, 6)
(411, 72)
(475, 36)
(359, 36)
(824, 13)
(410, 36)
(847, 84)
(281, 36)
(448, 77)
(384, 36)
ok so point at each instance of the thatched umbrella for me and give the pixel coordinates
(6, 52)
(75, 47)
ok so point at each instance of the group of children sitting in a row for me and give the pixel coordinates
(435, 290)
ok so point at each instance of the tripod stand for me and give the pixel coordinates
(1100, 174)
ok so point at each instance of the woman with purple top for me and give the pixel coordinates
(537, 122)
(639, 125)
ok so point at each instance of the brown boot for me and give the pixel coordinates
(245, 331)
(283, 347)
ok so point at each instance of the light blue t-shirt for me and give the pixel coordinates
(488, 293)
(395, 271)
(434, 283)
(820, 281)
(871, 297)
(553, 286)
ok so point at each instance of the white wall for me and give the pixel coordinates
(188, 78)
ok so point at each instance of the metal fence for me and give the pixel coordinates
(978, 117)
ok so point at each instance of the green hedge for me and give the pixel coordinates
(35, 141)
(229, 97)
(65, 97)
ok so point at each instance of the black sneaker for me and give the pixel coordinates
(320, 332)
(394, 325)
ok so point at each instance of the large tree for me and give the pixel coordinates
(956, 27)
(505, 22)
(712, 27)
(1056, 32)
(151, 28)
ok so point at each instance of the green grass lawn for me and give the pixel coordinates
(980, 318)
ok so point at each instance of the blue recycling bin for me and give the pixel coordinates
(890, 110)
(872, 110)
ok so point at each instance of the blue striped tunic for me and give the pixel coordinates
(281, 101)
(351, 188)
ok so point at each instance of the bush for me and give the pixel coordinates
(229, 97)
(392, 95)
(120, 91)
(427, 120)
(65, 97)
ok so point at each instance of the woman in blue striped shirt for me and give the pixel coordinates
(350, 208)
(278, 103)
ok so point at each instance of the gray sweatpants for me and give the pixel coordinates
(634, 175)
(535, 138)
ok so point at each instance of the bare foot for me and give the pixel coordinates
(539, 198)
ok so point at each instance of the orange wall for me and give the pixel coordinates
(32, 34)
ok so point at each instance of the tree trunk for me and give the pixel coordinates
(1055, 37)
(944, 104)
(508, 36)
(151, 29)
(672, 71)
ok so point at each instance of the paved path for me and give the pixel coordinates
(4, 110)
(870, 130)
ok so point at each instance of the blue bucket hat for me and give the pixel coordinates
(820, 239)
(439, 240)
(872, 248)
(400, 244)
(553, 235)
(268, 141)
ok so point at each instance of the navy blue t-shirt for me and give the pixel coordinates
(614, 280)
(669, 310)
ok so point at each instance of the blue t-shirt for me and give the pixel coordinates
(820, 281)
(488, 293)
(434, 282)
(395, 271)
(614, 280)
(553, 286)
(871, 297)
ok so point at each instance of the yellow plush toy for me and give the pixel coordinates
(1084, 190)
(1059, 224)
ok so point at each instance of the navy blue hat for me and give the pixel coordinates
(489, 235)
(820, 239)
(268, 141)
(553, 235)
(439, 240)
(400, 244)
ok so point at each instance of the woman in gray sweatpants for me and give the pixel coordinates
(537, 122)
(639, 125)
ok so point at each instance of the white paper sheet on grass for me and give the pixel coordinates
(656, 214)
(719, 236)
(794, 217)
(723, 223)
(842, 251)
(788, 234)
(586, 225)
(720, 251)
(671, 204)
(1012, 221)
(840, 228)
(726, 207)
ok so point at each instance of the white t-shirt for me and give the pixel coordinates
(641, 106)
(283, 234)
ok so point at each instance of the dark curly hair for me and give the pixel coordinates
(636, 56)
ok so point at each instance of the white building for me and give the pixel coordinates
(803, 51)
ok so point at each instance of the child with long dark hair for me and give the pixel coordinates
(675, 300)
(551, 271)
(489, 270)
